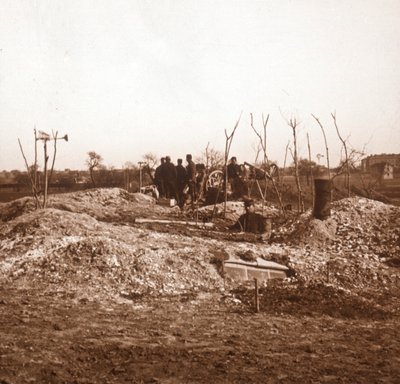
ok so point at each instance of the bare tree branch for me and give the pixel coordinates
(293, 123)
(33, 186)
(54, 156)
(35, 164)
(263, 145)
(346, 154)
(311, 170)
(228, 143)
(326, 144)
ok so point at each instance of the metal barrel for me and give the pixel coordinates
(322, 201)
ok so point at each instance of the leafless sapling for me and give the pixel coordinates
(228, 143)
(326, 144)
(32, 178)
(310, 167)
(263, 144)
(347, 166)
(293, 123)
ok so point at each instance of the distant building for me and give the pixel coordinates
(386, 162)
(388, 172)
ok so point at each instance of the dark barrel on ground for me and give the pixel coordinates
(322, 202)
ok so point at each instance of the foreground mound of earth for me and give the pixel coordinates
(89, 242)
(88, 295)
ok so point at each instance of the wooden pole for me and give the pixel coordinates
(45, 173)
(35, 170)
(311, 170)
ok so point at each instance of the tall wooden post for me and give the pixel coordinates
(45, 173)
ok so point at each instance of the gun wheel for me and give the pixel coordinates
(215, 179)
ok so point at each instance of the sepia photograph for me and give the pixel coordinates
(199, 191)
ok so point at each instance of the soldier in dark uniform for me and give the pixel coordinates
(251, 221)
(234, 172)
(233, 169)
(169, 173)
(191, 177)
(159, 178)
(181, 182)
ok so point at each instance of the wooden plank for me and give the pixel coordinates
(179, 222)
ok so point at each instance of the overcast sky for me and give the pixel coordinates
(125, 77)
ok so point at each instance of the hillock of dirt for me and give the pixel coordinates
(361, 238)
(88, 242)
(89, 293)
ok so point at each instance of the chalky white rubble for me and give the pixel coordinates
(87, 244)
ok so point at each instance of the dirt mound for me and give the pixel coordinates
(353, 248)
(89, 242)
(89, 295)
(367, 226)
(15, 208)
(310, 231)
(77, 252)
(355, 224)
(105, 204)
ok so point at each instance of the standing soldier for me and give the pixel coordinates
(181, 182)
(191, 177)
(234, 178)
(170, 179)
(159, 178)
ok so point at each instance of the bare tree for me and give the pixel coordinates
(263, 144)
(326, 145)
(212, 158)
(35, 164)
(45, 138)
(310, 167)
(228, 143)
(293, 123)
(253, 180)
(347, 166)
(148, 165)
(93, 161)
(55, 138)
(32, 175)
(151, 159)
(286, 151)
(32, 171)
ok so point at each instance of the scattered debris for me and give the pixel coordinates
(89, 242)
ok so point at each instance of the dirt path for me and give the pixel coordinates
(208, 338)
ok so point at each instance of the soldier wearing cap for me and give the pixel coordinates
(234, 174)
(170, 179)
(159, 178)
(251, 221)
(181, 181)
(191, 177)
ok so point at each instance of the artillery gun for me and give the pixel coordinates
(214, 182)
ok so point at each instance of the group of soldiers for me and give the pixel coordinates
(171, 180)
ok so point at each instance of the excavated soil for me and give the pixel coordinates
(89, 295)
